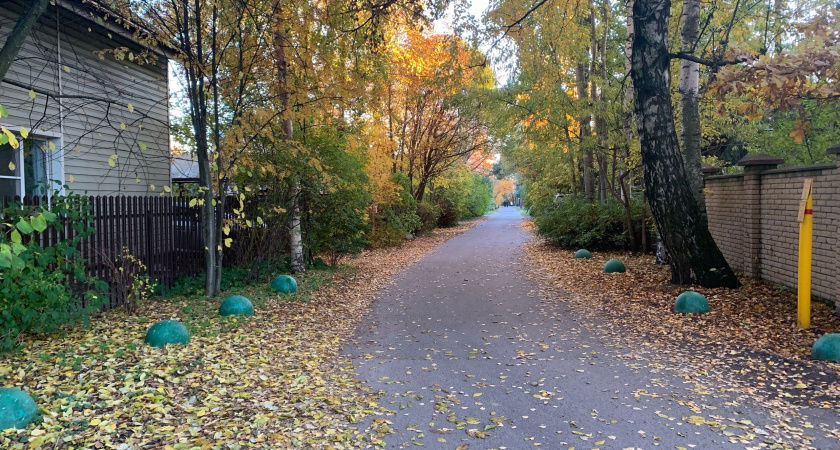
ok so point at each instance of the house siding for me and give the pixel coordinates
(91, 130)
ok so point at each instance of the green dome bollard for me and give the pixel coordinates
(17, 408)
(827, 348)
(690, 302)
(614, 266)
(236, 305)
(167, 332)
(284, 284)
(583, 254)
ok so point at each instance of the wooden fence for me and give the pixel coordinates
(165, 233)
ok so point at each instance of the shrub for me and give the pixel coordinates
(394, 221)
(573, 221)
(335, 222)
(37, 283)
(428, 214)
(449, 212)
(480, 197)
(461, 194)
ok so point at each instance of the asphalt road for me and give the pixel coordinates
(469, 356)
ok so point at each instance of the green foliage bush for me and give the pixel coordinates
(335, 200)
(573, 221)
(394, 221)
(479, 198)
(44, 288)
(428, 214)
(461, 194)
(450, 210)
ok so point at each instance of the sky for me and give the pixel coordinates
(477, 9)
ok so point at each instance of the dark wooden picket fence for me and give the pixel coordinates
(165, 233)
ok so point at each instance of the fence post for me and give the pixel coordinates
(751, 198)
(145, 207)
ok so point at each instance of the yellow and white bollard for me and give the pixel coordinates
(806, 224)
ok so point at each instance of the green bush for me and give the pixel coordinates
(394, 221)
(335, 200)
(461, 194)
(428, 214)
(479, 198)
(575, 222)
(450, 210)
(37, 283)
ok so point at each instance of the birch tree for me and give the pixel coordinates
(690, 100)
(693, 253)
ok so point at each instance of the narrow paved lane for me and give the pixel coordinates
(470, 356)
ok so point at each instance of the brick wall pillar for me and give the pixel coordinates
(751, 199)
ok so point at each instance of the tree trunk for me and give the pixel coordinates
(644, 221)
(690, 102)
(603, 173)
(584, 120)
(627, 105)
(420, 192)
(298, 265)
(22, 28)
(694, 255)
(295, 239)
(192, 44)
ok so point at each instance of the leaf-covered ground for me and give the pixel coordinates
(271, 381)
(749, 344)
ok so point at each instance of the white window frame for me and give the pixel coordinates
(55, 168)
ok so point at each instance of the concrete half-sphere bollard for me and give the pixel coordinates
(167, 332)
(284, 284)
(236, 305)
(827, 348)
(583, 254)
(614, 266)
(690, 302)
(17, 408)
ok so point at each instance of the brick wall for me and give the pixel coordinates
(726, 220)
(753, 218)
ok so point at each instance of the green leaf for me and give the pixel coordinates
(39, 223)
(5, 260)
(18, 248)
(24, 226)
(49, 216)
(3, 112)
(16, 238)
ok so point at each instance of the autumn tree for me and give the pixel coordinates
(434, 119)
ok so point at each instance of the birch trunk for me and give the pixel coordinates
(694, 255)
(295, 237)
(689, 101)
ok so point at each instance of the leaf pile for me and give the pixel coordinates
(749, 342)
(274, 380)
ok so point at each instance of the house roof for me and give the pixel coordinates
(99, 13)
(183, 168)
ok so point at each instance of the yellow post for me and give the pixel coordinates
(806, 223)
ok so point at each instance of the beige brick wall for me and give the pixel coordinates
(726, 220)
(729, 200)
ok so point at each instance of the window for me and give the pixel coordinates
(29, 169)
